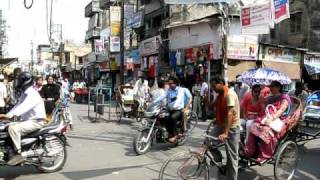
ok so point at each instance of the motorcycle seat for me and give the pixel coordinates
(40, 132)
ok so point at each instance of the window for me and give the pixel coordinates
(67, 57)
(295, 23)
(80, 60)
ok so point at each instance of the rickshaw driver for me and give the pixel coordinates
(227, 127)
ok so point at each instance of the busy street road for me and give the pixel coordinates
(103, 150)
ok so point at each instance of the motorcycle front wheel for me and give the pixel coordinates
(55, 157)
(140, 143)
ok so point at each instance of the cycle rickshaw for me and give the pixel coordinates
(126, 105)
(195, 163)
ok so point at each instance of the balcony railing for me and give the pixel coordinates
(92, 8)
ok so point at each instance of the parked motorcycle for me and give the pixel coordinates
(154, 131)
(45, 148)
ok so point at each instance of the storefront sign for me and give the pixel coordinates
(281, 10)
(115, 18)
(197, 1)
(242, 47)
(114, 44)
(150, 46)
(104, 66)
(280, 55)
(136, 20)
(256, 19)
(133, 55)
(312, 63)
(99, 46)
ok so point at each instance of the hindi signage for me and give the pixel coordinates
(256, 19)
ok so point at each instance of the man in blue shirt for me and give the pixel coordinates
(179, 101)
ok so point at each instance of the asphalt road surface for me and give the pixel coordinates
(103, 150)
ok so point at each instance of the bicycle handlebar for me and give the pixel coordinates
(211, 137)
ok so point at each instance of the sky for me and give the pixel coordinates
(25, 25)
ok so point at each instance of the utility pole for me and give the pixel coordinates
(225, 23)
(122, 43)
(32, 57)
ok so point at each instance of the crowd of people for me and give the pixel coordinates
(238, 108)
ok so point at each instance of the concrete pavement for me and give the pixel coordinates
(103, 150)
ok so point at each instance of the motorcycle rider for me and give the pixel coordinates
(176, 104)
(30, 108)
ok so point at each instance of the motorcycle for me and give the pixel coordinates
(44, 149)
(154, 131)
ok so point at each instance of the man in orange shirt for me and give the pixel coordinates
(227, 127)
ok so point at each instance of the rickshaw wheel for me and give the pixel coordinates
(286, 161)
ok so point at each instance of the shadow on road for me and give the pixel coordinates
(8, 173)
(90, 174)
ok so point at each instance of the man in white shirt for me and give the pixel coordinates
(241, 88)
(3, 95)
(30, 108)
(140, 90)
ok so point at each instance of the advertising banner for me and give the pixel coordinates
(136, 20)
(115, 18)
(99, 46)
(277, 54)
(242, 47)
(281, 10)
(256, 19)
(114, 44)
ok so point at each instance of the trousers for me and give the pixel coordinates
(232, 149)
(197, 106)
(171, 122)
(19, 129)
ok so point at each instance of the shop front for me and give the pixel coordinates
(191, 64)
(311, 70)
(242, 54)
(285, 60)
(149, 53)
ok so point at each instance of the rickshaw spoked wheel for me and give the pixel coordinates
(286, 161)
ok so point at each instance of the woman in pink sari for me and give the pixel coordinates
(262, 133)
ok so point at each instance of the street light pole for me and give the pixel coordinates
(122, 43)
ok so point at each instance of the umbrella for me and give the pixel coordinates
(263, 76)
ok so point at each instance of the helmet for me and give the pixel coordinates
(23, 81)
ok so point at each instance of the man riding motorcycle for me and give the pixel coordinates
(30, 108)
(176, 104)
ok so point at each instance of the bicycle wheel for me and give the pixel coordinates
(192, 121)
(184, 165)
(286, 161)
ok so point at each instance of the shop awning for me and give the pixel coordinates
(313, 68)
(6, 61)
(177, 24)
(291, 70)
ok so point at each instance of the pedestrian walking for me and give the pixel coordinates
(3, 95)
(196, 107)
